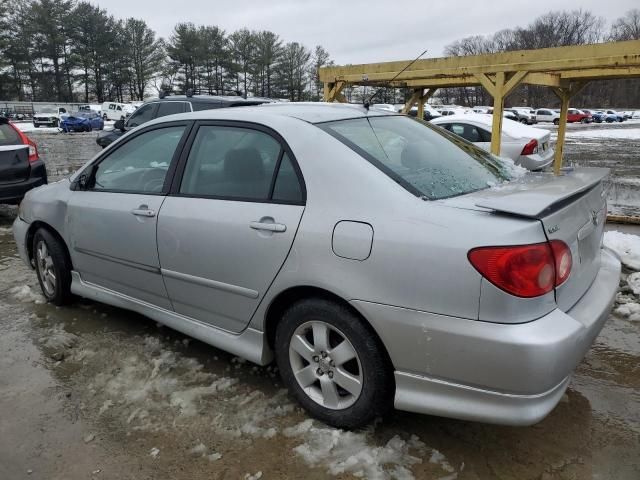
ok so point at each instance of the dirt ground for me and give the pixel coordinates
(94, 392)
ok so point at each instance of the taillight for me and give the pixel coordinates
(524, 270)
(563, 260)
(530, 148)
(33, 149)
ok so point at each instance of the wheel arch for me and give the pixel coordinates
(288, 297)
(33, 228)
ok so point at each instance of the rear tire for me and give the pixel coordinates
(333, 363)
(53, 267)
(556, 122)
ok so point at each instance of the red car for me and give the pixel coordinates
(574, 115)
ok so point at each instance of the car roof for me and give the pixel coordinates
(217, 99)
(311, 112)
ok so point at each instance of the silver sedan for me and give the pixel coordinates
(381, 261)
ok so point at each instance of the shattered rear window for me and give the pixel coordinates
(430, 163)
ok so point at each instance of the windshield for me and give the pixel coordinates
(428, 162)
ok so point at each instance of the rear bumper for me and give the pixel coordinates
(511, 374)
(537, 161)
(14, 192)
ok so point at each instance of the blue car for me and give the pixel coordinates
(597, 115)
(82, 122)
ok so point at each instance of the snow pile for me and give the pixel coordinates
(25, 294)
(511, 169)
(633, 281)
(343, 452)
(630, 310)
(57, 338)
(4, 230)
(200, 450)
(617, 133)
(146, 383)
(626, 246)
(256, 414)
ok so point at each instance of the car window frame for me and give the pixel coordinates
(174, 190)
(93, 166)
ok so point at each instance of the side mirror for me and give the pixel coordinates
(119, 125)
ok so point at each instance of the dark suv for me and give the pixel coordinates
(169, 105)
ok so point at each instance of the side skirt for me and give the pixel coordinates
(250, 344)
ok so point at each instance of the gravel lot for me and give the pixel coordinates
(91, 391)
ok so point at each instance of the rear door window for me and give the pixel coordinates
(142, 115)
(170, 108)
(231, 163)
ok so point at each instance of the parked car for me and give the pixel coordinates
(527, 146)
(84, 121)
(522, 116)
(49, 116)
(467, 301)
(429, 113)
(574, 115)
(170, 105)
(114, 111)
(21, 168)
(547, 115)
(613, 116)
(482, 109)
(597, 116)
(635, 114)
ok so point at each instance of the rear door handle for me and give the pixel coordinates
(269, 227)
(143, 211)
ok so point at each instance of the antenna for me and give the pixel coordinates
(367, 102)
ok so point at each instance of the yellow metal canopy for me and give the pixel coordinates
(565, 69)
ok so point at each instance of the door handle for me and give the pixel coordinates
(269, 227)
(143, 211)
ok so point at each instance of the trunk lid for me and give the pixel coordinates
(570, 207)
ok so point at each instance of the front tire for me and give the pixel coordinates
(53, 267)
(556, 122)
(333, 363)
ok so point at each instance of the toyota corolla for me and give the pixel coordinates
(380, 261)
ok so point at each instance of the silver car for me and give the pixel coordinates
(381, 261)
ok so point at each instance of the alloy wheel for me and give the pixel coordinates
(46, 268)
(326, 365)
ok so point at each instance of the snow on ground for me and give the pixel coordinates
(341, 452)
(621, 133)
(24, 293)
(633, 281)
(27, 127)
(626, 246)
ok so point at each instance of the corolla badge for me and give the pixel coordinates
(594, 217)
(553, 229)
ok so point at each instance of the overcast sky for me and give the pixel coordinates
(358, 31)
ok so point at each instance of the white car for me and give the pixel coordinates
(527, 146)
(49, 116)
(547, 115)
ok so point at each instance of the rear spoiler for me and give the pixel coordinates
(531, 199)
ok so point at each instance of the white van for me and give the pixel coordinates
(114, 111)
